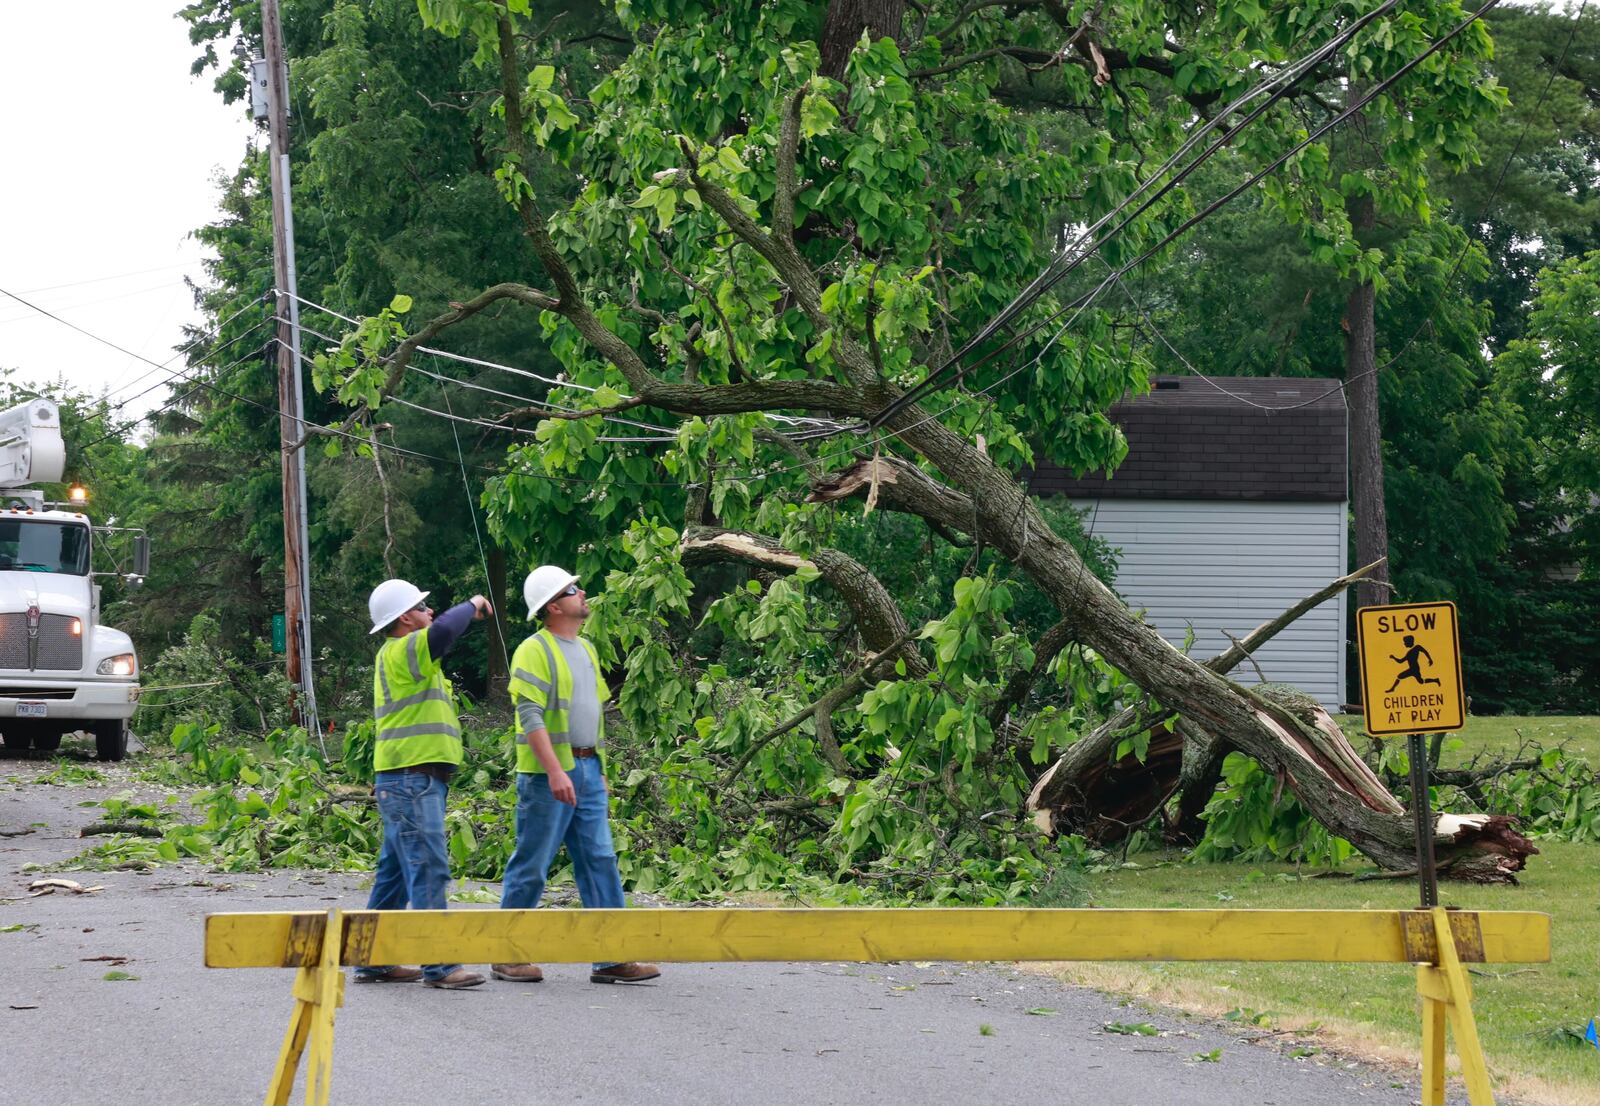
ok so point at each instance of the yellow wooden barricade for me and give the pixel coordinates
(1439, 941)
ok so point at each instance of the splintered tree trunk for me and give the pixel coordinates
(1198, 777)
(846, 19)
(1312, 757)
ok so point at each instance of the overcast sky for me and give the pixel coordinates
(109, 151)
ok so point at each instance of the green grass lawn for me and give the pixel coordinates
(1526, 1015)
(1505, 734)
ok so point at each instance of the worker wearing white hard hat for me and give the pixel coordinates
(559, 693)
(416, 749)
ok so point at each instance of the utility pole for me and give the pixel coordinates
(273, 71)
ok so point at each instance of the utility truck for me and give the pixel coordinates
(60, 669)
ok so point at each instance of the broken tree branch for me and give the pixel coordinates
(830, 702)
(878, 616)
(1056, 792)
(1243, 647)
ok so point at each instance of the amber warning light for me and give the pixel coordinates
(78, 493)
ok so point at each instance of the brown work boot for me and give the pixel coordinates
(458, 980)
(395, 974)
(517, 973)
(624, 973)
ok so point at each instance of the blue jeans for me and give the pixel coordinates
(544, 825)
(413, 866)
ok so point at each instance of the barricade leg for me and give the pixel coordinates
(318, 992)
(1433, 1017)
(1474, 1068)
(1447, 993)
(294, 1039)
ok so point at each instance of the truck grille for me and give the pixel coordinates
(37, 692)
(14, 641)
(58, 648)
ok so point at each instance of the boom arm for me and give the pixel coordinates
(31, 449)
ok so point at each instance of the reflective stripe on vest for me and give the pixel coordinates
(555, 703)
(415, 712)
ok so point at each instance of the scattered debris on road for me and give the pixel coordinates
(49, 887)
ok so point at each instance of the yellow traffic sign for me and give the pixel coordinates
(1411, 668)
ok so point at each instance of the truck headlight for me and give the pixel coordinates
(120, 665)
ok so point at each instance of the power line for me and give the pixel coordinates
(204, 333)
(495, 614)
(528, 400)
(1041, 284)
(1281, 83)
(1505, 167)
(1246, 400)
(167, 286)
(449, 356)
(103, 279)
(117, 432)
(876, 420)
(247, 332)
(757, 474)
(554, 382)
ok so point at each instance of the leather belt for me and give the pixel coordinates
(584, 751)
(438, 771)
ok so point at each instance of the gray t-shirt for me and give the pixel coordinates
(583, 713)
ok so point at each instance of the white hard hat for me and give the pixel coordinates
(544, 584)
(391, 599)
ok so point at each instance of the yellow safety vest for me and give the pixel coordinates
(414, 707)
(531, 679)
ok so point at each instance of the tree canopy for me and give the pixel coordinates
(712, 241)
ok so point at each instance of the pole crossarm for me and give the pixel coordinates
(1439, 941)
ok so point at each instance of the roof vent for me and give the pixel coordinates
(1168, 385)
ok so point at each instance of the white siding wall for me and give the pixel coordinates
(1232, 566)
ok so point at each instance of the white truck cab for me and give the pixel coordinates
(60, 669)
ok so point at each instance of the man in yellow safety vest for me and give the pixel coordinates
(416, 749)
(561, 785)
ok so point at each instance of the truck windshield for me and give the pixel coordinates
(28, 545)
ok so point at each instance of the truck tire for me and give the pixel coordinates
(47, 739)
(19, 738)
(111, 739)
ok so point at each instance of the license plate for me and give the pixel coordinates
(32, 710)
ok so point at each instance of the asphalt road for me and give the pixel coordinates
(704, 1034)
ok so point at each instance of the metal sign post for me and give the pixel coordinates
(1422, 818)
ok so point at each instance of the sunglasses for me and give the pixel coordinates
(572, 589)
(420, 607)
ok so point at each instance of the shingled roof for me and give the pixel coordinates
(1190, 439)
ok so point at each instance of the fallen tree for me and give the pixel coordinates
(812, 315)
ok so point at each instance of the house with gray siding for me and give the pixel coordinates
(1230, 507)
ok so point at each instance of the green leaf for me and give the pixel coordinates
(1132, 1029)
(400, 304)
(817, 115)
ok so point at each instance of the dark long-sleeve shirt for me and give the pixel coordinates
(448, 627)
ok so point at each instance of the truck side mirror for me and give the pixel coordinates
(141, 555)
